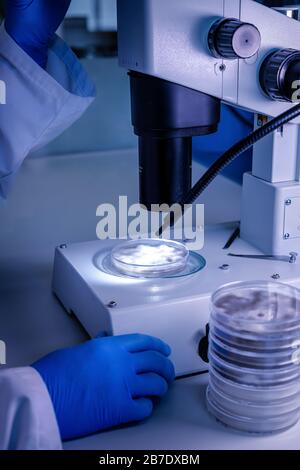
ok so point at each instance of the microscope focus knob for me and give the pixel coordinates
(280, 75)
(232, 39)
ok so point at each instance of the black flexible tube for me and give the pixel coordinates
(235, 151)
(238, 149)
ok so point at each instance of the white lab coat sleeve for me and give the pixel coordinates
(39, 104)
(27, 418)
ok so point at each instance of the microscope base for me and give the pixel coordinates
(176, 310)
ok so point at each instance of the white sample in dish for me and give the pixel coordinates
(150, 257)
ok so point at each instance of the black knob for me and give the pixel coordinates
(232, 39)
(204, 345)
(279, 73)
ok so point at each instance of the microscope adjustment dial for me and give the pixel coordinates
(232, 39)
(280, 75)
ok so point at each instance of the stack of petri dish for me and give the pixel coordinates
(254, 355)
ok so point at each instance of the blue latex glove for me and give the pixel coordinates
(32, 24)
(106, 382)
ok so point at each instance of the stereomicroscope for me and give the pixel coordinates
(184, 58)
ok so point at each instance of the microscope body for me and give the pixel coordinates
(169, 41)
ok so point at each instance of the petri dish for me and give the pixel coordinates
(254, 409)
(257, 359)
(150, 258)
(250, 342)
(254, 355)
(261, 394)
(270, 425)
(253, 376)
(258, 308)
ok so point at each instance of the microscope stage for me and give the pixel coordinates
(175, 309)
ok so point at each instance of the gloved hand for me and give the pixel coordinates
(106, 382)
(32, 24)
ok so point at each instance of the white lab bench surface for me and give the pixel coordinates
(181, 422)
(54, 201)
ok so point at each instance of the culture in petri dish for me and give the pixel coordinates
(150, 257)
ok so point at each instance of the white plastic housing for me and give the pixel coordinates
(175, 310)
(168, 39)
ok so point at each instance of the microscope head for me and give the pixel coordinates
(185, 57)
